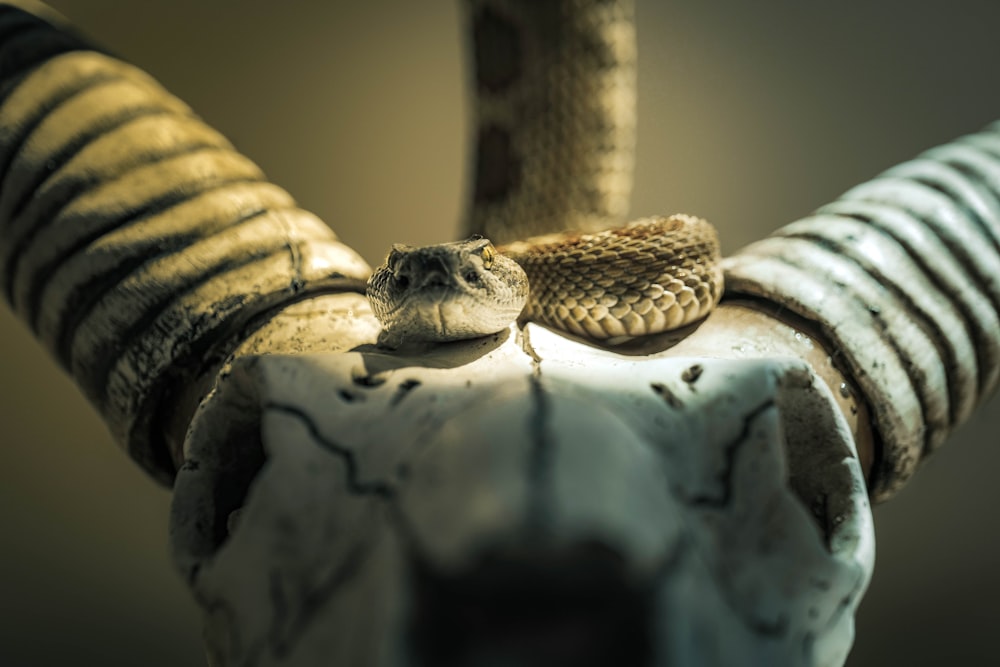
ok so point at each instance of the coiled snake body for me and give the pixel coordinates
(651, 276)
(554, 100)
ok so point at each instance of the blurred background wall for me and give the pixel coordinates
(751, 114)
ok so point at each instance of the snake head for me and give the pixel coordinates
(448, 291)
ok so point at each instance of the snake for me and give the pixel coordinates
(554, 136)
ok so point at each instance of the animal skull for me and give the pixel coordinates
(548, 503)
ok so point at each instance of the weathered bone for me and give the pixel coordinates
(324, 502)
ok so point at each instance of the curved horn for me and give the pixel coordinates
(135, 242)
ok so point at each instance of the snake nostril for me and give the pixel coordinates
(402, 281)
(471, 277)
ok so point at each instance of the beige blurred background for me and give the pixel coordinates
(751, 114)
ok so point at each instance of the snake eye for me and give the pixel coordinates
(402, 282)
(488, 254)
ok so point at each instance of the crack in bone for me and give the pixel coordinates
(729, 454)
(354, 483)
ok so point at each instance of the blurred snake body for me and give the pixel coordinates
(554, 138)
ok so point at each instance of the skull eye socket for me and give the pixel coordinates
(488, 253)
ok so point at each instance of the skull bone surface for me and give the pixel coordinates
(516, 501)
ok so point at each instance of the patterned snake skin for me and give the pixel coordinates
(554, 144)
(140, 248)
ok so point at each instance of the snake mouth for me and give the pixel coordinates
(442, 313)
(571, 609)
(420, 301)
(430, 302)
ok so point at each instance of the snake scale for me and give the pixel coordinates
(554, 138)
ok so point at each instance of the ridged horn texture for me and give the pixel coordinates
(902, 275)
(135, 242)
(554, 88)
